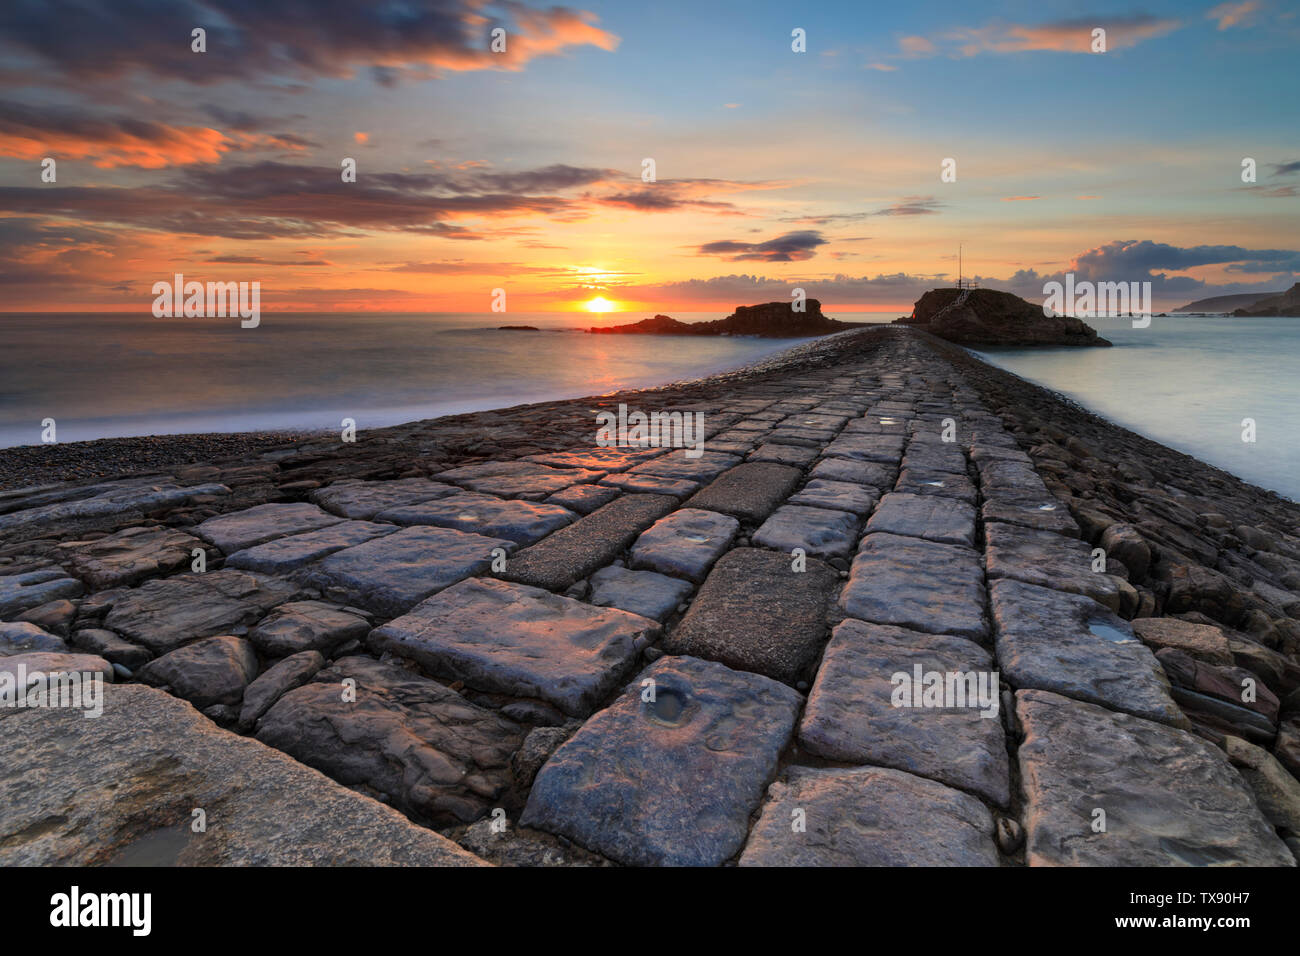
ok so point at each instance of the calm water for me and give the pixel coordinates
(110, 375)
(1188, 383)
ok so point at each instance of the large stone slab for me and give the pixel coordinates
(927, 586)
(935, 456)
(29, 589)
(1049, 560)
(755, 613)
(518, 479)
(1071, 645)
(749, 491)
(307, 626)
(129, 556)
(27, 673)
(820, 532)
(793, 455)
(1011, 481)
(643, 484)
(116, 501)
(837, 496)
(1169, 797)
(165, 614)
(121, 788)
(392, 574)
(282, 555)
(919, 481)
(851, 714)
(932, 517)
(211, 671)
(522, 522)
(584, 499)
(651, 595)
(243, 529)
(869, 816)
(877, 475)
(671, 781)
(679, 465)
(25, 637)
(685, 543)
(861, 446)
(1200, 641)
(363, 500)
(1044, 516)
(431, 752)
(597, 458)
(521, 641)
(587, 545)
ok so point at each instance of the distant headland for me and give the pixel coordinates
(776, 320)
(973, 316)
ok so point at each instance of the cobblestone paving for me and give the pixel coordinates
(651, 657)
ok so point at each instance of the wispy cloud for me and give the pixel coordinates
(790, 247)
(387, 40)
(1232, 15)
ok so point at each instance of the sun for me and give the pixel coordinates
(599, 304)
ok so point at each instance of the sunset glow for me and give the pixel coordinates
(599, 304)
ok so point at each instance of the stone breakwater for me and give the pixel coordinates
(484, 638)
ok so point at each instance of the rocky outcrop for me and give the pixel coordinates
(1285, 303)
(990, 317)
(777, 320)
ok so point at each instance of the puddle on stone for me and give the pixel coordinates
(1112, 634)
(1047, 507)
(891, 421)
(668, 706)
(161, 847)
(698, 539)
(933, 484)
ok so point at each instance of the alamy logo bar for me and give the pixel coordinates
(636, 429)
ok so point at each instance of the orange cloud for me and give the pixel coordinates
(166, 146)
(1232, 15)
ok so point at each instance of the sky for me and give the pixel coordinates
(525, 169)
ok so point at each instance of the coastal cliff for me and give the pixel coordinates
(1286, 303)
(990, 317)
(777, 320)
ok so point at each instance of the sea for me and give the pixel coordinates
(108, 375)
(1194, 383)
(1188, 382)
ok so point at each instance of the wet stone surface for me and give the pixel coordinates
(1071, 645)
(684, 544)
(391, 574)
(365, 499)
(129, 556)
(820, 532)
(522, 522)
(431, 752)
(837, 496)
(671, 781)
(932, 517)
(851, 714)
(869, 816)
(521, 641)
(167, 613)
(1047, 559)
(924, 585)
(282, 555)
(244, 529)
(651, 595)
(1170, 798)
